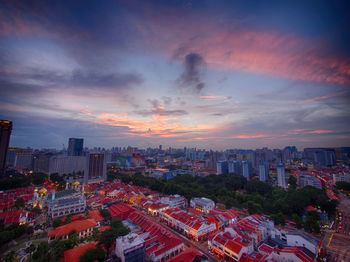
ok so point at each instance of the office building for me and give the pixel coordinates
(130, 248)
(281, 177)
(41, 163)
(306, 180)
(246, 169)
(24, 161)
(264, 172)
(221, 167)
(75, 146)
(235, 167)
(67, 164)
(5, 133)
(95, 170)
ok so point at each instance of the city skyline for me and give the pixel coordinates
(186, 73)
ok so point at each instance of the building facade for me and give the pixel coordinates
(5, 133)
(281, 177)
(75, 146)
(130, 248)
(95, 170)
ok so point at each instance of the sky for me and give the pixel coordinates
(205, 74)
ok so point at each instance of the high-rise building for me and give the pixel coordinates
(221, 167)
(235, 167)
(67, 164)
(264, 171)
(75, 146)
(5, 133)
(95, 168)
(246, 169)
(24, 161)
(281, 177)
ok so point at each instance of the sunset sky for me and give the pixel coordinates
(205, 74)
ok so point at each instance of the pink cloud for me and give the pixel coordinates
(228, 47)
(325, 97)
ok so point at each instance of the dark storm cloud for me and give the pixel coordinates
(191, 77)
(41, 82)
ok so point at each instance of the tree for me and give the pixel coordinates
(56, 222)
(108, 237)
(105, 213)
(30, 250)
(19, 203)
(312, 223)
(9, 257)
(93, 254)
(38, 178)
(343, 185)
(292, 181)
(278, 219)
(42, 251)
(36, 210)
(298, 221)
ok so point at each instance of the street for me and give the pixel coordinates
(196, 245)
(337, 242)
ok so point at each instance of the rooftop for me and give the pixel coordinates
(78, 226)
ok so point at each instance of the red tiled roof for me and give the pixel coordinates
(78, 226)
(95, 214)
(104, 228)
(120, 210)
(234, 245)
(74, 254)
(13, 216)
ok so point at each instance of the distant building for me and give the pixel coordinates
(221, 167)
(203, 204)
(341, 178)
(41, 163)
(75, 146)
(321, 156)
(235, 167)
(130, 248)
(67, 164)
(247, 169)
(306, 180)
(281, 177)
(95, 170)
(264, 171)
(24, 161)
(5, 133)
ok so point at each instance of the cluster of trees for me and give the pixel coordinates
(19, 180)
(343, 185)
(107, 237)
(236, 191)
(12, 232)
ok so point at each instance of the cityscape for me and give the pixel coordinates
(174, 131)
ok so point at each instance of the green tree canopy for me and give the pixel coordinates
(92, 255)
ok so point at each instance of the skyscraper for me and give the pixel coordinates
(75, 146)
(281, 177)
(264, 171)
(95, 170)
(5, 133)
(221, 167)
(246, 169)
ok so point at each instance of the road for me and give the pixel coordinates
(337, 243)
(193, 244)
